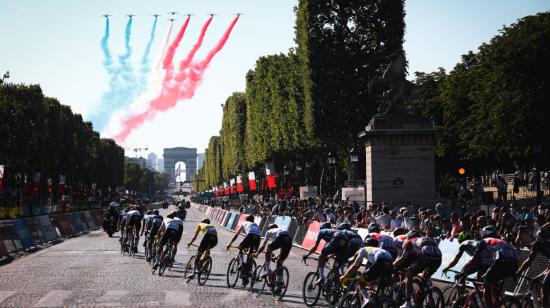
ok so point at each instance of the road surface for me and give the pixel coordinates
(89, 271)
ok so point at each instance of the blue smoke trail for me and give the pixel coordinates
(105, 47)
(145, 67)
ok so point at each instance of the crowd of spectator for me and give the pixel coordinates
(517, 225)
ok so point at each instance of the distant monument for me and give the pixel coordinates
(185, 155)
(400, 159)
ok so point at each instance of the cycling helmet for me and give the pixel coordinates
(344, 226)
(113, 204)
(399, 231)
(464, 235)
(156, 212)
(272, 226)
(413, 234)
(371, 242)
(374, 228)
(149, 212)
(488, 231)
(206, 221)
(172, 214)
(250, 218)
(325, 225)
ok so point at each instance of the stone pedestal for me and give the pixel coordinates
(400, 162)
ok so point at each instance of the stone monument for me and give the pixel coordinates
(400, 162)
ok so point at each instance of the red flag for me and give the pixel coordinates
(240, 185)
(1, 176)
(271, 181)
(252, 180)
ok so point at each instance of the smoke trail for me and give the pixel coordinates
(185, 63)
(170, 95)
(167, 63)
(120, 92)
(105, 47)
(145, 58)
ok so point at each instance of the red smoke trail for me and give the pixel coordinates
(180, 77)
(169, 58)
(170, 94)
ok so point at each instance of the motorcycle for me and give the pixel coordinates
(110, 225)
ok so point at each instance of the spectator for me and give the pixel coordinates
(384, 220)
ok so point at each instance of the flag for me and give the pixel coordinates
(240, 186)
(270, 175)
(252, 180)
(231, 186)
(225, 189)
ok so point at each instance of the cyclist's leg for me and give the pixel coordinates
(285, 251)
(203, 246)
(417, 266)
(545, 298)
(330, 248)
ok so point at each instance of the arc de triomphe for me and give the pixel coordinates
(174, 155)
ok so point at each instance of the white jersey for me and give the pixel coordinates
(251, 228)
(133, 213)
(173, 223)
(272, 234)
(372, 254)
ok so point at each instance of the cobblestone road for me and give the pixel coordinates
(89, 271)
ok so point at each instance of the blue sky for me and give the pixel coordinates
(56, 43)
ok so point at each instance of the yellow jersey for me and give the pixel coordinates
(205, 228)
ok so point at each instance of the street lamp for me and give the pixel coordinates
(332, 161)
(354, 158)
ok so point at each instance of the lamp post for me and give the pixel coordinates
(332, 161)
(353, 158)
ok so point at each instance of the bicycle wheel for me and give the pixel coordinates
(279, 294)
(250, 274)
(204, 271)
(333, 289)
(310, 291)
(257, 283)
(232, 273)
(397, 294)
(451, 293)
(461, 303)
(433, 298)
(509, 302)
(350, 300)
(189, 268)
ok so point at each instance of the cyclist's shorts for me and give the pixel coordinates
(354, 245)
(135, 222)
(422, 264)
(153, 231)
(209, 241)
(170, 234)
(500, 270)
(380, 269)
(250, 241)
(283, 242)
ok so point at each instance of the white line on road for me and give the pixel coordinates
(54, 298)
(5, 294)
(112, 298)
(178, 298)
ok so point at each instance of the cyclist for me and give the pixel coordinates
(386, 242)
(251, 242)
(182, 212)
(542, 246)
(170, 230)
(122, 223)
(133, 222)
(502, 258)
(467, 245)
(281, 240)
(379, 266)
(151, 228)
(209, 241)
(343, 246)
(419, 255)
(326, 233)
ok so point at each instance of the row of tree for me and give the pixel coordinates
(139, 179)
(490, 110)
(298, 107)
(38, 134)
